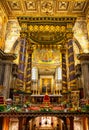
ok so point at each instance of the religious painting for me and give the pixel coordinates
(46, 85)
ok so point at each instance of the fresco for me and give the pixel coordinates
(12, 34)
(81, 34)
(46, 56)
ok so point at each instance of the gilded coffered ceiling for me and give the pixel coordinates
(44, 7)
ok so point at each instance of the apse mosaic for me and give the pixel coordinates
(46, 56)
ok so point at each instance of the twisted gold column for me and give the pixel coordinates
(21, 66)
(64, 71)
(28, 71)
(72, 78)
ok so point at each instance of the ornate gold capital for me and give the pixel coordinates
(63, 50)
(23, 35)
(69, 35)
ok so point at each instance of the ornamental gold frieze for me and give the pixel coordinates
(47, 30)
(55, 20)
(36, 114)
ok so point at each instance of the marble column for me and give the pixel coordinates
(1, 123)
(14, 75)
(27, 123)
(65, 123)
(60, 124)
(2, 69)
(72, 78)
(5, 123)
(84, 60)
(85, 123)
(7, 79)
(0, 72)
(20, 123)
(71, 123)
(64, 70)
